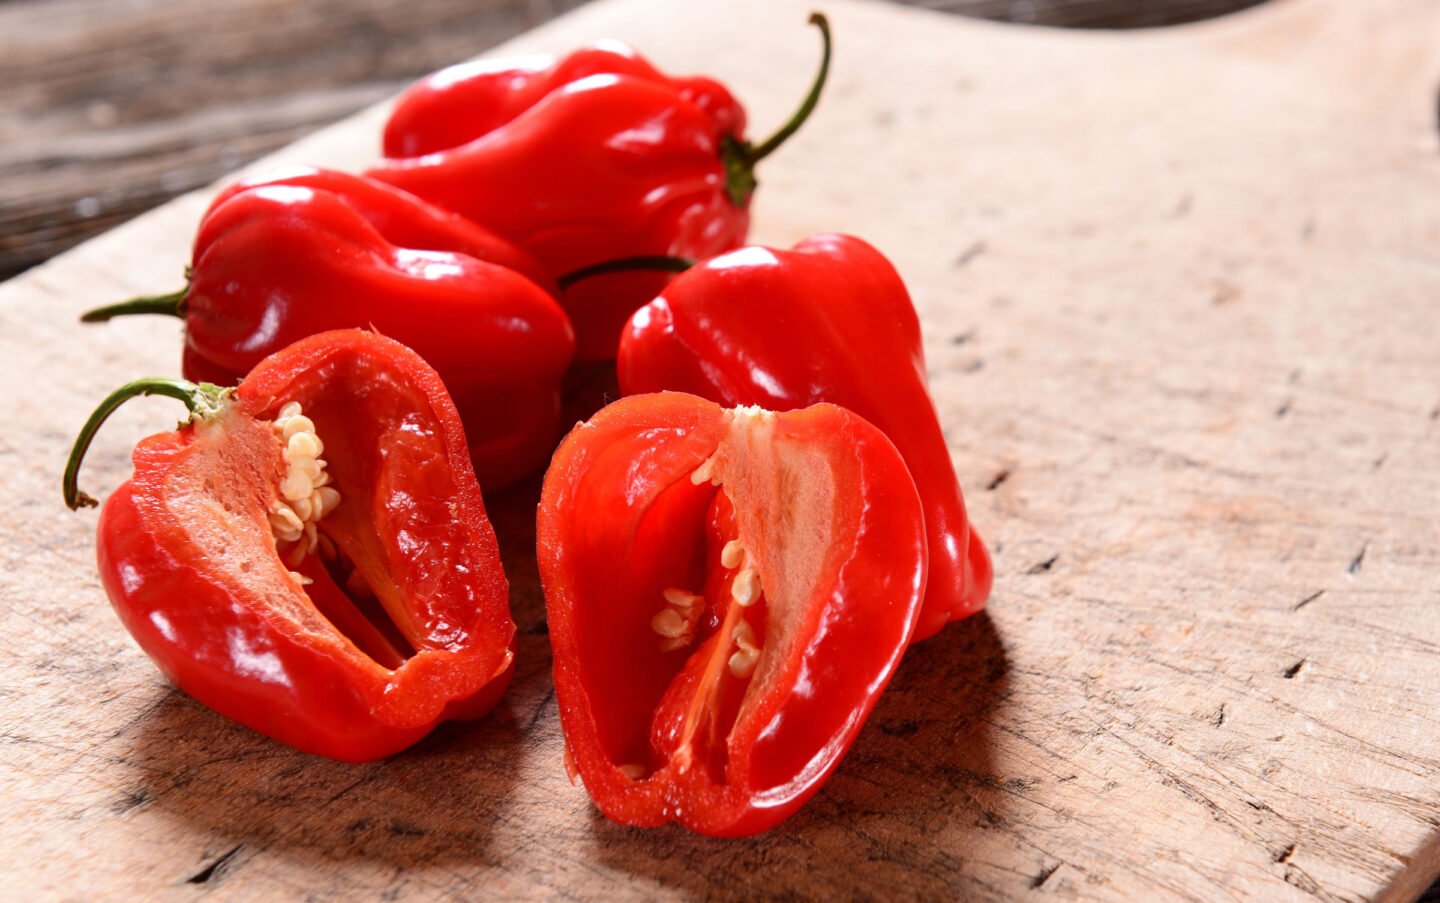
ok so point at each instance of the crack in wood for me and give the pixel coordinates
(900, 728)
(345, 791)
(1358, 560)
(540, 709)
(1039, 880)
(969, 254)
(133, 799)
(1043, 566)
(1308, 599)
(1223, 293)
(1296, 877)
(215, 870)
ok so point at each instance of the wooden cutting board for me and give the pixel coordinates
(1181, 292)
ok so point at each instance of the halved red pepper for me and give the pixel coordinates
(727, 593)
(829, 321)
(578, 170)
(343, 595)
(303, 251)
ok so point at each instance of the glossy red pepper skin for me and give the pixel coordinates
(276, 261)
(461, 103)
(401, 219)
(829, 321)
(188, 559)
(826, 516)
(607, 167)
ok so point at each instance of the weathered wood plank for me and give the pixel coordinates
(110, 107)
(1185, 353)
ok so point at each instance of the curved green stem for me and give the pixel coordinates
(660, 263)
(741, 156)
(172, 304)
(202, 399)
(759, 152)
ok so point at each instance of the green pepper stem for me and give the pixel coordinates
(740, 157)
(659, 263)
(759, 152)
(172, 304)
(202, 400)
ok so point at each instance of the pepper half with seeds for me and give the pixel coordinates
(343, 604)
(727, 592)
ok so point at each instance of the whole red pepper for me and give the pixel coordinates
(309, 554)
(829, 321)
(612, 165)
(309, 250)
(727, 593)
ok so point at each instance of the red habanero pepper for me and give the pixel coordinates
(609, 166)
(728, 593)
(309, 554)
(275, 261)
(828, 321)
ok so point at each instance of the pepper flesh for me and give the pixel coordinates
(304, 251)
(660, 498)
(829, 321)
(190, 564)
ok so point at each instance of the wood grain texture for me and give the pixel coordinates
(110, 107)
(1185, 352)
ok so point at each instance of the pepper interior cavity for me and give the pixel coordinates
(693, 627)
